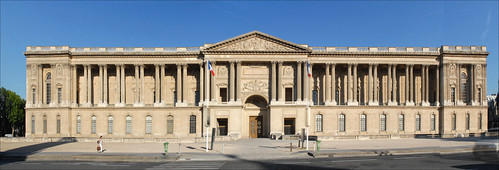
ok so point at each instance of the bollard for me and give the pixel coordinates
(290, 146)
(178, 149)
(223, 147)
(166, 148)
(318, 146)
(298, 143)
(314, 146)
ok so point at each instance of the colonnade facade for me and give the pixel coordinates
(261, 86)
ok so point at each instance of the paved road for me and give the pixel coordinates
(426, 161)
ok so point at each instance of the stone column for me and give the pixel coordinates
(232, 81)
(370, 84)
(53, 87)
(423, 83)
(413, 98)
(161, 85)
(118, 82)
(137, 85)
(142, 86)
(123, 88)
(472, 85)
(427, 87)
(328, 85)
(213, 83)
(458, 86)
(484, 89)
(375, 88)
(279, 87)
(185, 84)
(74, 91)
(394, 84)
(101, 85)
(201, 83)
(89, 86)
(305, 82)
(157, 89)
(406, 95)
(239, 86)
(355, 85)
(310, 88)
(298, 81)
(389, 85)
(273, 81)
(333, 84)
(179, 84)
(349, 79)
(437, 70)
(105, 98)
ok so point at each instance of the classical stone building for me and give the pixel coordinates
(262, 86)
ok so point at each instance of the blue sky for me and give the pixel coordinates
(177, 24)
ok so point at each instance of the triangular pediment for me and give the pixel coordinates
(255, 42)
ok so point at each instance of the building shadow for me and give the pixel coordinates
(269, 164)
(22, 153)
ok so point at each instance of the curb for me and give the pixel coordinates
(388, 152)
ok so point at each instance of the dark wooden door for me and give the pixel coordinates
(255, 126)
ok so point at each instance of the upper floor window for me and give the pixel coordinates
(33, 96)
(48, 84)
(289, 94)
(337, 96)
(453, 95)
(315, 97)
(59, 95)
(223, 94)
(464, 87)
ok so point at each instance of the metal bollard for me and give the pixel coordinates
(298, 143)
(318, 146)
(314, 146)
(290, 146)
(223, 147)
(178, 149)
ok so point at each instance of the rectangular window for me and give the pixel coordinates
(94, 124)
(453, 121)
(363, 123)
(148, 125)
(223, 94)
(59, 95)
(289, 94)
(175, 97)
(33, 124)
(432, 123)
(318, 123)
(45, 124)
(78, 124)
(192, 124)
(34, 96)
(480, 121)
(480, 95)
(110, 122)
(169, 125)
(401, 122)
(383, 122)
(128, 125)
(58, 124)
(418, 122)
(223, 127)
(315, 97)
(341, 123)
(337, 96)
(467, 121)
(453, 95)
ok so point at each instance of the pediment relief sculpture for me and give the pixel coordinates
(254, 44)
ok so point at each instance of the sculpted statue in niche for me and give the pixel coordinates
(255, 44)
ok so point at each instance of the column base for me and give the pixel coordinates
(102, 105)
(437, 103)
(53, 104)
(157, 104)
(448, 103)
(87, 105)
(351, 103)
(393, 104)
(333, 103)
(120, 105)
(425, 104)
(409, 103)
(460, 103)
(180, 104)
(373, 103)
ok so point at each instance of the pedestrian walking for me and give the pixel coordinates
(100, 149)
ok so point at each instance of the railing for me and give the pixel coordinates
(112, 49)
(377, 49)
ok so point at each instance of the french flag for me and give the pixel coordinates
(308, 70)
(211, 68)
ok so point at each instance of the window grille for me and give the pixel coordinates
(432, 119)
(468, 121)
(169, 124)
(418, 122)
(94, 124)
(110, 122)
(192, 124)
(58, 124)
(341, 122)
(33, 124)
(363, 122)
(318, 123)
(401, 122)
(44, 124)
(59, 95)
(453, 121)
(148, 124)
(78, 124)
(48, 86)
(383, 122)
(128, 125)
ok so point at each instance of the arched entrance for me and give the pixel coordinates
(256, 108)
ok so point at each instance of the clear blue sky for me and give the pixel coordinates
(174, 24)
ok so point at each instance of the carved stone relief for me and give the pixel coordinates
(479, 70)
(452, 70)
(288, 71)
(255, 44)
(255, 86)
(222, 71)
(59, 70)
(33, 71)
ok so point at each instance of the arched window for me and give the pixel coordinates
(418, 122)
(45, 124)
(363, 122)
(78, 124)
(464, 87)
(169, 124)
(467, 121)
(128, 125)
(401, 122)
(432, 122)
(110, 123)
(48, 84)
(341, 122)
(58, 124)
(454, 121)
(480, 121)
(192, 124)
(33, 124)
(382, 122)
(318, 123)
(94, 124)
(148, 124)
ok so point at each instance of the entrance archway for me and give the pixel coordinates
(256, 108)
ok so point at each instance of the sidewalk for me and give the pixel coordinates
(243, 149)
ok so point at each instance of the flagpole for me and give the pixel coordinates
(207, 103)
(308, 101)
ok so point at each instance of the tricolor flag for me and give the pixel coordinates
(211, 68)
(308, 70)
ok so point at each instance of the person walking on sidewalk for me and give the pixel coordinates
(100, 148)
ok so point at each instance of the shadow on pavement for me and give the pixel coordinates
(478, 166)
(22, 153)
(276, 165)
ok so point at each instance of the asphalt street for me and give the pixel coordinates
(424, 161)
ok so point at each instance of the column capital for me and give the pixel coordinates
(280, 63)
(185, 65)
(350, 64)
(232, 62)
(239, 62)
(102, 65)
(273, 62)
(179, 65)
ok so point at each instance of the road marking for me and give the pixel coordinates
(355, 160)
(409, 158)
(296, 163)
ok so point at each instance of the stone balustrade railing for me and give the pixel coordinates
(111, 49)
